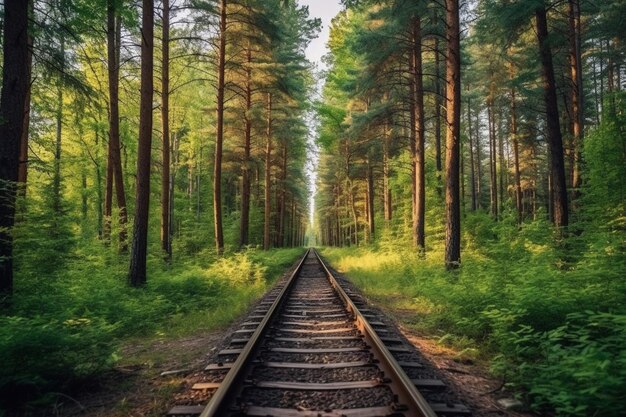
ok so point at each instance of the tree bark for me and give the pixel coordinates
(166, 244)
(554, 138)
(479, 170)
(471, 153)
(115, 177)
(386, 171)
(370, 200)
(578, 118)
(438, 104)
(418, 157)
(219, 138)
(268, 178)
(518, 185)
(137, 272)
(493, 176)
(56, 176)
(245, 171)
(453, 119)
(12, 101)
(22, 175)
(281, 198)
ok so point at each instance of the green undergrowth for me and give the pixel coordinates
(66, 325)
(550, 318)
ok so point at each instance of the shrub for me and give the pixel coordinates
(40, 354)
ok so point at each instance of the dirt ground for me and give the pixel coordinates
(477, 389)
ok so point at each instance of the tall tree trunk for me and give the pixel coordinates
(12, 100)
(355, 217)
(115, 177)
(166, 244)
(386, 172)
(578, 118)
(438, 105)
(219, 138)
(245, 171)
(98, 184)
(268, 177)
(479, 170)
(176, 156)
(22, 175)
(281, 198)
(137, 271)
(471, 153)
(518, 185)
(56, 176)
(501, 162)
(370, 200)
(555, 140)
(453, 119)
(419, 234)
(493, 176)
(412, 136)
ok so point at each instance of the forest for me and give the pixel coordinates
(162, 163)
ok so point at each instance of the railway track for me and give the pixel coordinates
(314, 348)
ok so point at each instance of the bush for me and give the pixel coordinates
(577, 369)
(41, 354)
(556, 330)
(64, 326)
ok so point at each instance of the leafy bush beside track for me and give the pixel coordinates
(66, 326)
(554, 329)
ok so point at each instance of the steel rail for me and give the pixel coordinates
(408, 394)
(224, 396)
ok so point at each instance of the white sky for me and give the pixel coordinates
(326, 10)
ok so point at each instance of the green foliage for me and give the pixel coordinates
(605, 159)
(65, 326)
(554, 329)
(577, 369)
(43, 354)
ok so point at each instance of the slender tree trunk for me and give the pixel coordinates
(56, 178)
(245, 172)
(219, 138)
(370, 200)
(22, 175)
(577, 92)
(268, 177)
(555, 140)
(493, 176)
(418, 157)
(413, 137)
(386, 171)
(453, 119)
(137, 271)
(355, 217)
(438, 105)
(108, 195)
(115, 177)
(479, 170)
(165, 123)
(98, 185)
(83, 195)
(281, 198)
(12, 100)
(471, 153)
(501, 162)
(292, 223)
(518, 185)
(174, 171)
